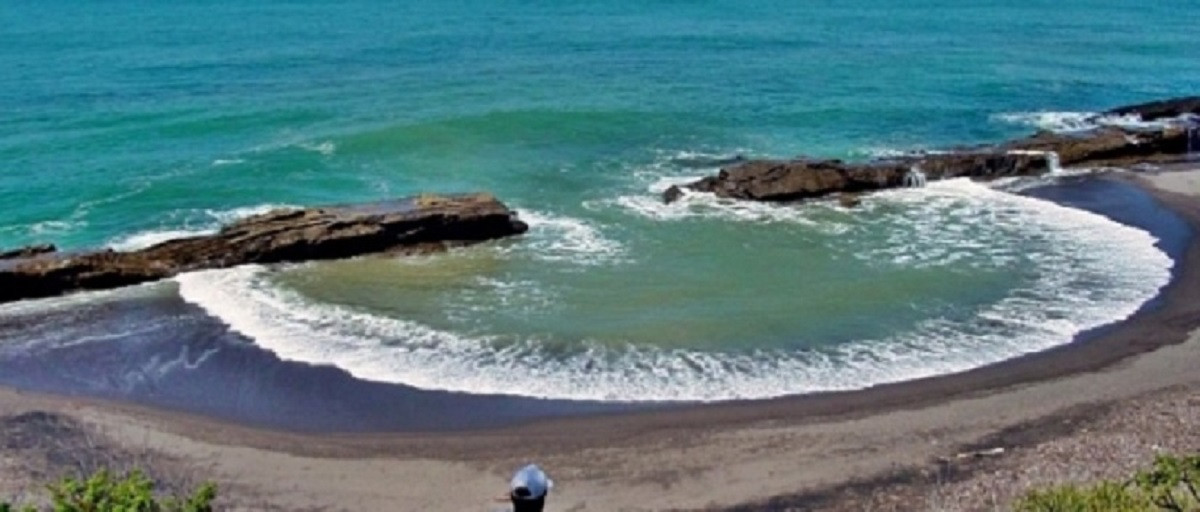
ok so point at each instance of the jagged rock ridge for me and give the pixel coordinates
(802, 178)
(426, 223)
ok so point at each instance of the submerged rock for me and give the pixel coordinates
(1044, 152)
(423, 224)
(672, 194)
(850, 200)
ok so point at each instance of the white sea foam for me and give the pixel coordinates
(517, 297)
(560, 238)
(232, 214)
(661, 184)
(77, 219)
(1066, 122)
(703, 205)
(202, 222)
(221, 162)
(155, 368)
(54, 227)
(886, 152)
(326, 148)
(144, 239)
(664, 172)
(685, 163)
(1021, 183)
(704, 160)
(1088, 271)
(954, 221)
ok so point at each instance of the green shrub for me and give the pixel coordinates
(1102, 497)
(8, 507)
(102, 492)
(1171, 484)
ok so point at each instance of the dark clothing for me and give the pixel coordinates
(527, 505)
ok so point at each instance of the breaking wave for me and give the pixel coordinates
(559, 238)
(1090, 271)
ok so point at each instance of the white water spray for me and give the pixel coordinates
(915, 177)
(1053, 161)
(1193, 142)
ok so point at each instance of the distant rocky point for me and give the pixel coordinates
(28, 251)
(1164, 109)
(422, 224)
(1044, 152)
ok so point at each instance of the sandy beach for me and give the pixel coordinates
(1090, 409)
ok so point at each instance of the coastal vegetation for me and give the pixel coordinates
(105, 492)
(1171, 484)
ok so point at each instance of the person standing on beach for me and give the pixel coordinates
(529, 488)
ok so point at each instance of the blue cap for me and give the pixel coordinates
(533, 480)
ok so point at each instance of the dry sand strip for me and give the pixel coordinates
(1083, 444)
(802, 451)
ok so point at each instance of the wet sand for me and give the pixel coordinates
(693, 457)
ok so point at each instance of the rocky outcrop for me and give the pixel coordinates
(672, 194)
(28, 251)
(1165, 109)
(1109, 146)
(423, 224)
(773, 180)
(789, 180)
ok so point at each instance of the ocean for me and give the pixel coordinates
(129, 123)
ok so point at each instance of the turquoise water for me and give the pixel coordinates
(127, 123)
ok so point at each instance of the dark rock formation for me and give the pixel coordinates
(1164, 109)
(771, 180)
(1109, 146)
(28, 251)
(423, 224)
(672, 194)
(775, 180)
